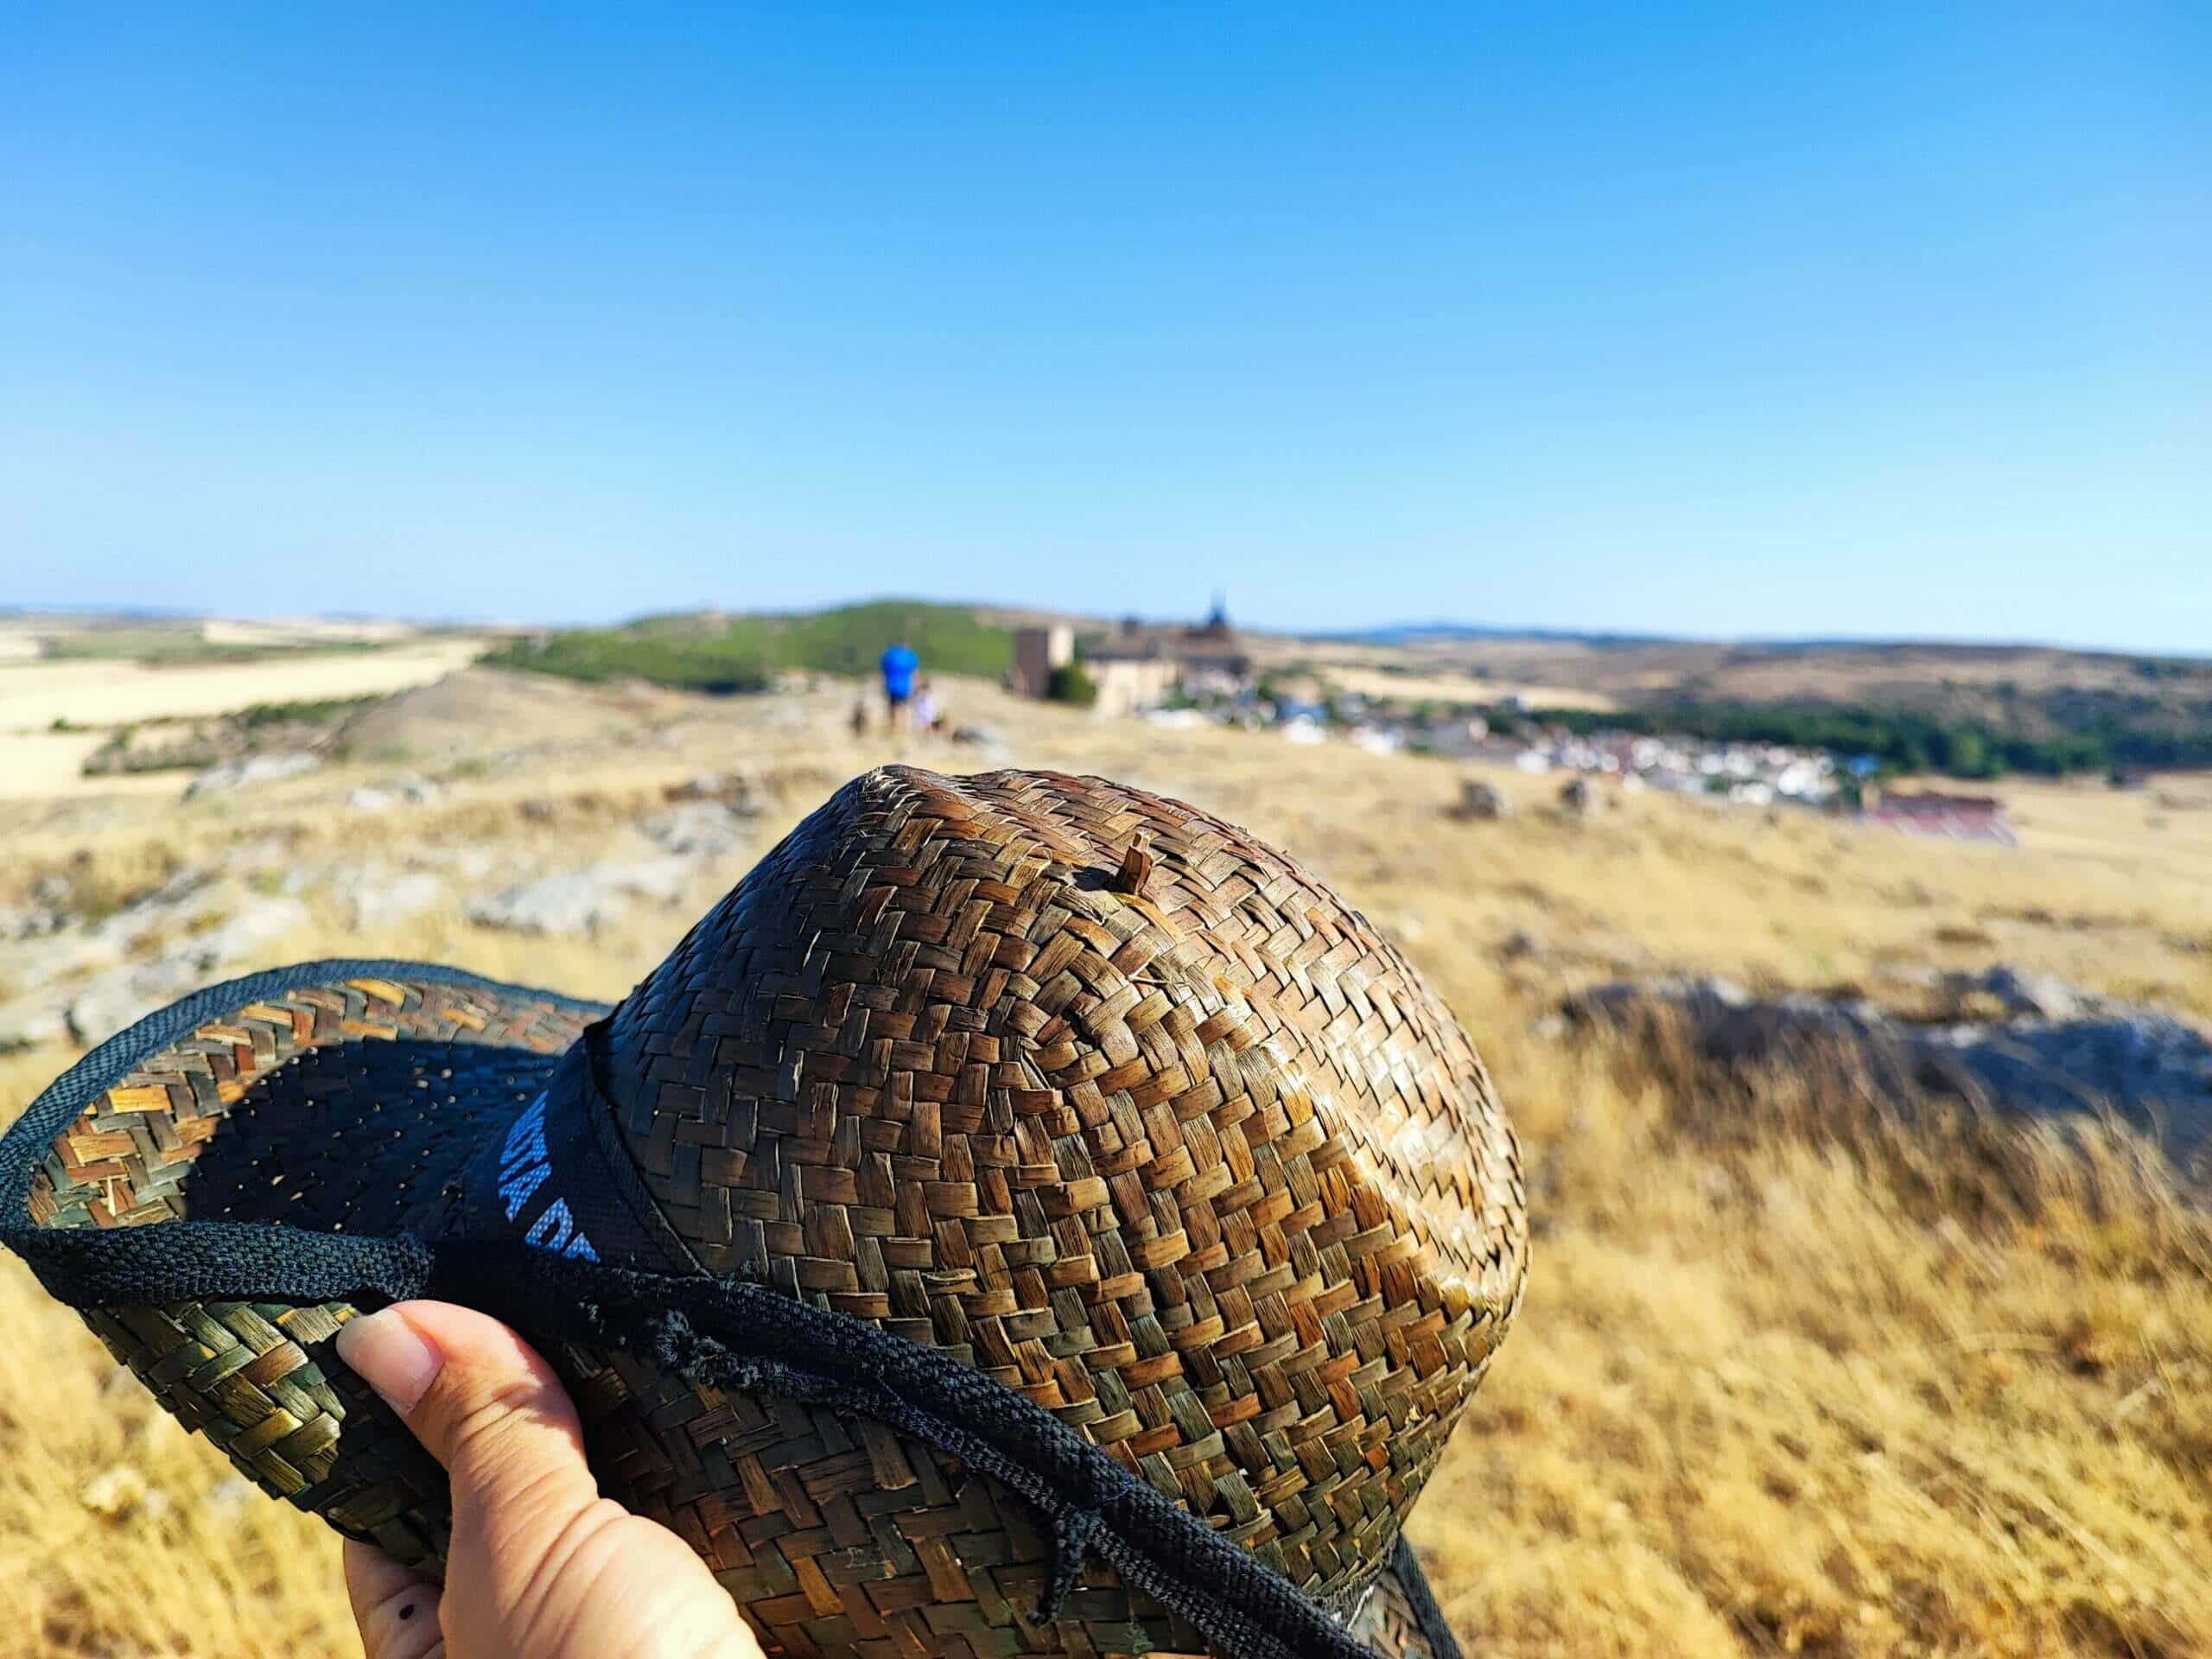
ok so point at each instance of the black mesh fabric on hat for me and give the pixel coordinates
(362, 1137)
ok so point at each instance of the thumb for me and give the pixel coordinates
(539, 1562)
(481, 1401)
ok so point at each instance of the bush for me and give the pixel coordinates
(317, 711)
(606, 654)
(1070, 684)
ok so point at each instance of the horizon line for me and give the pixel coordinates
(1371, 634)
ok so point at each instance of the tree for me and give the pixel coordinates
(1070, 684)
(1969, 754)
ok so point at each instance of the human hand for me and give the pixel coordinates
(541, 1566)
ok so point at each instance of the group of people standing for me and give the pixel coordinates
(910, 702)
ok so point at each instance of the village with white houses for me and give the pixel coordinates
(1184, 674)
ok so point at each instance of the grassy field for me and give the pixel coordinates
(1789, 1376)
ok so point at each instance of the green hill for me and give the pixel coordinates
(713, 651)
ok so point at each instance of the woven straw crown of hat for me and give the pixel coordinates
(1078, 1085)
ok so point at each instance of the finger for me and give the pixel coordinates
(395, 1608)
(483, 1403)
(538, 1562)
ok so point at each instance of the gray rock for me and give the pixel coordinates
(186, 899)
(30, 921)
(664, 880)
(63, 957)
(123, 996)
(582, 901)
(699, 829)
(398, 791)
(257, 921)
(127, 992)
(375, 897)
(1480, 800)
(256, 769)
(28, 1023)
(475, 863)
(262, 853)
(578, 903)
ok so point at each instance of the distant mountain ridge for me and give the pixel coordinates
(1403, 633)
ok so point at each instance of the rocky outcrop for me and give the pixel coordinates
(19, 922)
(697, 829)
(218, 936)
(94, 979)
(577, 903)
(2017, 1042)
(374, 897)
(581, 902)
(256, 769)
(397, 792)
(662, 880)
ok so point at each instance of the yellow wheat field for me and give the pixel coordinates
(97, 692)
(1764, 1396)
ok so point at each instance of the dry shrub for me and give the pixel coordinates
(1769, 1395)
(101, 880)
(1941, 1153)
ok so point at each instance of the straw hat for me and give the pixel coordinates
(1022, 1087)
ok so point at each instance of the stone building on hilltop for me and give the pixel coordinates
(1037, 652)
(1139, 663)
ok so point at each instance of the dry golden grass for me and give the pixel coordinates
(1787, 1379)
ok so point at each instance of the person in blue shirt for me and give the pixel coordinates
(900, 665)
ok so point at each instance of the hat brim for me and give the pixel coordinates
(333, 1094)
(345, 1096)
(336, 1095)
(1394, 1619)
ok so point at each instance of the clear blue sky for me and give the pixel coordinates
(1713, 319)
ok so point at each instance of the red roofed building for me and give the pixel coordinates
(1959, 817)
